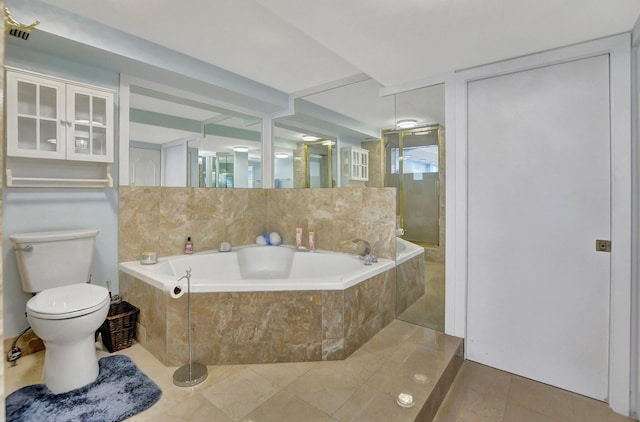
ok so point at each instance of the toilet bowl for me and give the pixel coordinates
(66, 311)
(66, 319)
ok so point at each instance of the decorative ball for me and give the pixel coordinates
(275, 239)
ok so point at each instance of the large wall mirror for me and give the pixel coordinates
(327, 130)
(177, 141)
(403, 135)
(303, 157)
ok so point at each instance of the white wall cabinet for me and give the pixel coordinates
(58, 119)
(355, 164)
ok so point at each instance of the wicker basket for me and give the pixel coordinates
(119, 329)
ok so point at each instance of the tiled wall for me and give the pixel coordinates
(337, 216)
(160, 219)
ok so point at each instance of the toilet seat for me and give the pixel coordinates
(68, 301)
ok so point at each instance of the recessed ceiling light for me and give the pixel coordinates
(407, 124)
(309, 138)
(240, 149)
(281, 155)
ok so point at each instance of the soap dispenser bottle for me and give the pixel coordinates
(188, 247)
(312, 241)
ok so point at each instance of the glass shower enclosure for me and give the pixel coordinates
(412, 166)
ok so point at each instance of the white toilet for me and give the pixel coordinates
(66, 311)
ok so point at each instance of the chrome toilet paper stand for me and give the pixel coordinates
(192, 373)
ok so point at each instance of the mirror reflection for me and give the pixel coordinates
(304, 156)
(393, 141)
(414, 152)
(180, 142)
(319, 160)
(350, 120)
(412, 166)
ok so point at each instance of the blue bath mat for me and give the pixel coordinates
(120, 391)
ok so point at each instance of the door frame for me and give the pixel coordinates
(619, 50)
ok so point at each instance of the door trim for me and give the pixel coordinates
(619, 49)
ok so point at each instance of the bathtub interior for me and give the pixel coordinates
(263, 268)
(265, 262)
(406, 250)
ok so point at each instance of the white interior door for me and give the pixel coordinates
(144, 167)
(174, 165)
(538, 198)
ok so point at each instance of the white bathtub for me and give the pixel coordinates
(406, 250)
(259, 268)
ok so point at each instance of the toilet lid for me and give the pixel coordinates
(68, 301)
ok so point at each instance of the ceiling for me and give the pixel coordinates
(295, 45)
(303, 47)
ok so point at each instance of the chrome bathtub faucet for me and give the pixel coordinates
(367, 255)
(367, 246)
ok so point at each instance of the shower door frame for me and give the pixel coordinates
(400, 196)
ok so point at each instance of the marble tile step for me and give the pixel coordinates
(440, 390)
(415, 360)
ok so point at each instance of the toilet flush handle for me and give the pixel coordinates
(26, 248)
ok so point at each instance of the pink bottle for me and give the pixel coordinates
(312, 241)
(298, 237)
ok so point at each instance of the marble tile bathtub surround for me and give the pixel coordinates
(151, 322)
(261, 327)
(159, 219)
(258, 326)
(410, 282)
(337, 216)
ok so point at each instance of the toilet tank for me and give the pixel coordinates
(54, 259)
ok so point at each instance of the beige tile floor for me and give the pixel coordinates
(480, 394)
(363, 387)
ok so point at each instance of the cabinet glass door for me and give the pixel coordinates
(35, 124)
(91, 116)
